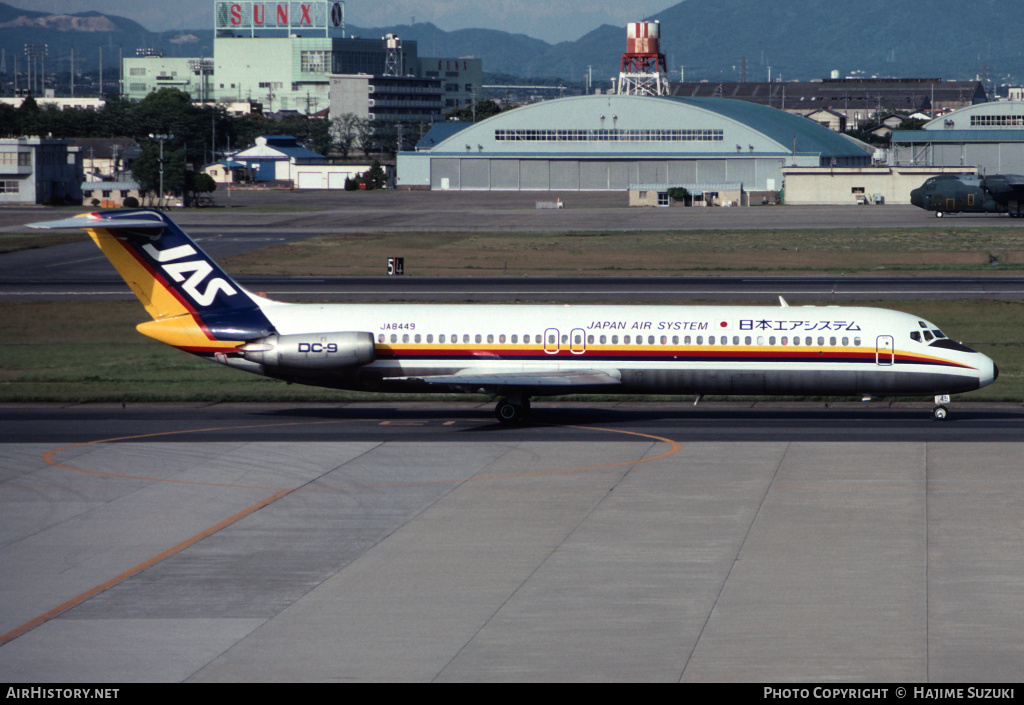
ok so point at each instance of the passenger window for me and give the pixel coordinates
(380, 338)
(526, 339)
(711, 340)
(501, 338)
(856, 341)
(771, 340)
(440, 338)
(821, 340)
(735, 340)
(515, 339)
(686, 340)
(604, 339)
(832, 341)
(664, 340)
(465, 337)
(700, 340)
(405, 337)
(615, 340)
(625, 340)
(394, 337)
(809, 341)
(490, 338)
(650, 340)
(846, 340)
(590, 340)
(565, 338)
(785, 340)
(418, 338)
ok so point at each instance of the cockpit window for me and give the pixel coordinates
(939, 333)
(916, 336)
(928, 336)
(922, 324)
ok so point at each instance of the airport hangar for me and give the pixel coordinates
(989, 136)
(612, 142)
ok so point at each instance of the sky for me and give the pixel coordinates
(550, 20)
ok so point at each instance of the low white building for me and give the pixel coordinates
(110, 194)
(327, 176)
(847, 186)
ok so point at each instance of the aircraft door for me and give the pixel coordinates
(551, 341)
(578, 341)
(950, 205)
(885, 353)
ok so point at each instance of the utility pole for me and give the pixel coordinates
(161, 139)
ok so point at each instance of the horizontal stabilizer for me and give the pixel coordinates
(554, 378)
(107, 221)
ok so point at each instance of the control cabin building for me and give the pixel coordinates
(608, 142)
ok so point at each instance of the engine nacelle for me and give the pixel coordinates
(313, 351)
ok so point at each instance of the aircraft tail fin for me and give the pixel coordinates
(195, 306)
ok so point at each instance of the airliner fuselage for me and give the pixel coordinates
(516, 351)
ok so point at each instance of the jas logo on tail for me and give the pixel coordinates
(198, 268)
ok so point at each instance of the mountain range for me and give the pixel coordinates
(702, 40)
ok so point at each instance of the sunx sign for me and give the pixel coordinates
(193, 272)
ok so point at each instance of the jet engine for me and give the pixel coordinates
(313, 351)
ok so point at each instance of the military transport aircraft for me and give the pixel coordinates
(971, 193)
(515, 352)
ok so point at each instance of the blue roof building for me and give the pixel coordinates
(275, 157)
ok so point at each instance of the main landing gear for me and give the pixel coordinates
(512, 409)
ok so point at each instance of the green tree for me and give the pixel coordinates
(484, 109)
(146, 169)
(375, 177)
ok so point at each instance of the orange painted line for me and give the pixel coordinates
(48, 457)
(75, 601)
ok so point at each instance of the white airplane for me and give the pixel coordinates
(515, 352)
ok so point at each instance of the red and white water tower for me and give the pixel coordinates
(642, 71)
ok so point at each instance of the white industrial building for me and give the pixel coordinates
(609, 142)
(281, 54)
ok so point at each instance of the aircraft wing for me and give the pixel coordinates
(1016, 181)
(553, 378)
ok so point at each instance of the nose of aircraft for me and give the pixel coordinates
(988, 371)
(916, 198)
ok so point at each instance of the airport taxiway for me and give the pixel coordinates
(424, 542)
